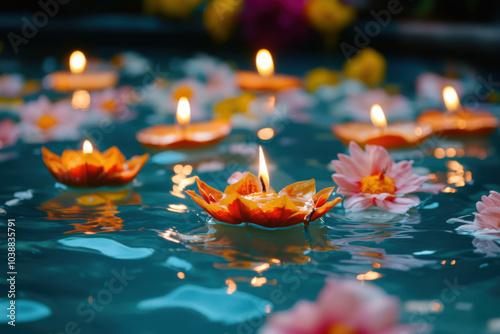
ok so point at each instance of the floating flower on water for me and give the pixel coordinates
(233, 105)
(368, 66)
(430, 86)
(11, 85)
(487, 218)
(329, 16)
(165, 101)
(9, 132)
(371, 178)
(131, 63)
(247, 202)
(320, 77)
(43, 121)
(218, 79)
(342, 307)
(89, 168)
(358, 105)
(114, 102)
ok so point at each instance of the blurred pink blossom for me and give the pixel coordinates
(43, 121)
(341, 307)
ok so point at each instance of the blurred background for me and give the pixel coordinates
(455, 29)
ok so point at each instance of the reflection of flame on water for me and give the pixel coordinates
(258, 281)
(473, 149)
(260, 252)
(99, 209)
(231, 286)
(456, 176)
(369, 276)
(181, 181)
(168, 235)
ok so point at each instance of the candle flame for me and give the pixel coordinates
(264, 62)
(183, 111)
(451, 98)
(77, 62)
(263, 174)
(377, 116)
(87, 147)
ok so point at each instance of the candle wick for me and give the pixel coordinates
(264, 188)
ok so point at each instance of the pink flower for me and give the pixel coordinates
(43, 121)
(487, 217)
(11, 85)
(9, 132)
(371, 178)
(358, 105)
(341, 307)
(113, 102)
(430, 87)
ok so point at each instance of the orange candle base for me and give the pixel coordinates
(193, 136)
(254, 81)
(461, 123)
(67, 81)
(395, 136)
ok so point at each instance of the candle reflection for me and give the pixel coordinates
(97, 209)
(181, 181)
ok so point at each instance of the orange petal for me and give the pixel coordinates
(300, 189)
(279, 210)
(243, 209)
(247, 185)
(320, 211)
(113, 160)
(134, 165)
(54, 164)
(219, 212)
(321, 197)
(211, 195)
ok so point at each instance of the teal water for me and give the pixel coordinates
(149, 261)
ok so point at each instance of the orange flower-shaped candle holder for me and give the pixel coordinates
(265, 79)
(458, 121)
(247, 202)
(391, 136)
(184, 135)
(90, 168)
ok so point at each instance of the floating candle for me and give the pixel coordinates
(185, 134)
(265, 79)
(458, 121)
(395, 135)
(252, 200)
(89, 168)
(78, 78)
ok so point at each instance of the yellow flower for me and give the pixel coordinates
(368, 66)
(320, 76)
(178, 9)
(329, 15)
(220, 18)
(228, 107)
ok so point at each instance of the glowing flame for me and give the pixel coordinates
(451, 98)
(263, 174)
(80, 100)
(377, 116)
(183, 111)
(87, 147)
(264, 62)
(77, 62)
